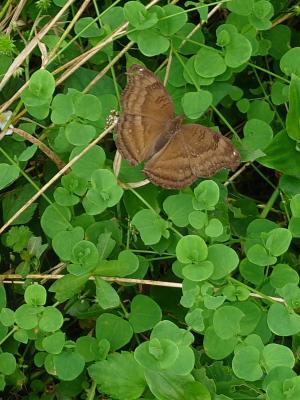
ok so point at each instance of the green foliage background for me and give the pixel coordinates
(168, 295)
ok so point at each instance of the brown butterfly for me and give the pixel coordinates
(148, 129)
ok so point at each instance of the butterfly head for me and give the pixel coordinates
(236, 159)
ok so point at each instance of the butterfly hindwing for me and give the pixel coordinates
(194, 151)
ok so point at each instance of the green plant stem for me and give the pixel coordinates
(270, 203)
(34, 185)
(267, 97)
(269, 72)
(142, 200)
(14, 329)
(263, 176)
(92, 391)
(4, 8)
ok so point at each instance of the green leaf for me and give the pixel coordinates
(279, 93)
(8, 174)
(191, 249)
(251, 272)
(120, 376)
(250, 370)
(68, 365)
(214, 228)
(276, 158)
(252, 315)
(126, 264)
(226, 321)
(138, 16)
(62, 109)
(7, 317)
(174, 18)
(260, 109)
(21, 336)
(151, 43)
(237, 47)
(88, 163)
(294, 227)
(240, 7)
(276, 355)
(42, 84)
(26, 316)
(55, 219)
(69, 285)
(278, 241)
(209, 63)
(51, 319)
(28, 153)
(216, 347)
(295, 205)
(151, 226)
(198, 219)
(54, 343)
(14, 200)
(8, 363)
(157, 354)
(207, 195)
(79, 134)
(283, 274)
(293, 114)
(283, 322)
(105, 192)
(224, 259)
(106, 295)
(195, 319)
(168, 330)
(35, 295)
(195, 104)
(115, 329)
(40, 111)
(88, 347)
(89, 107)
(178, 207)
(167, 386)
(145, 313)
(86, 27)
(85, 253)
(257, 254)
(199, 271)
(64, 241)
(290, 62)
(257, 134)
(63, 197)
(262, 12)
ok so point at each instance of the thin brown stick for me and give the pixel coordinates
(77, 62)
(10, 278)
(236, 174)
(107, 68)
(31, 45)
(15, 16)
(45, 149)
(69, 27)
(56, 177)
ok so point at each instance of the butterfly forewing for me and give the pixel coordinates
(147, 111)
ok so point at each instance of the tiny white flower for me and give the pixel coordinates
(4, 117)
